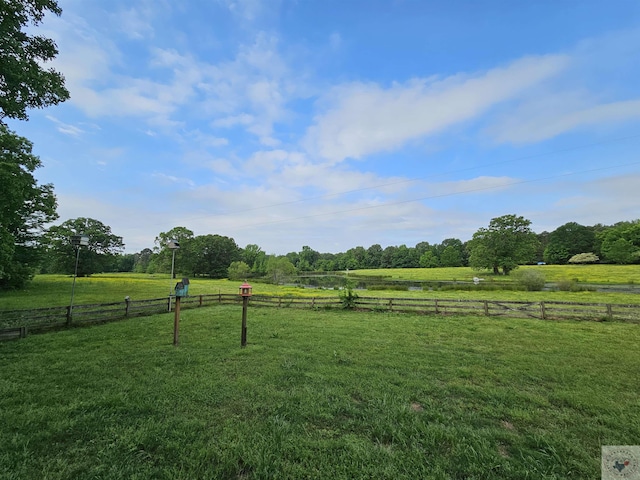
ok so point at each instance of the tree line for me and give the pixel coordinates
(505, 243)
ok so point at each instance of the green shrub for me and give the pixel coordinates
(531, 280)
(348, 298)
(566, 285)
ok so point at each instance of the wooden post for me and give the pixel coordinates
(437, 309)
(313, 302)
(69, 315)
(243, 336)
(169, 304)
(609, 311)
(391, 304)
(200, 304)
(127, 302)
(176, 323)
(486, 308)
(543, 311)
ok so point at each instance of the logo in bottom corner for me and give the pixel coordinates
(621, 461)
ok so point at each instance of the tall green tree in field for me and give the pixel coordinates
(99, 256)
(505, 244)
(212, 255)
(279, 268)
(161, 261)
(25, 83)
(252, 254)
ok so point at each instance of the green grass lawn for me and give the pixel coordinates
(594, 274)
(318, 394)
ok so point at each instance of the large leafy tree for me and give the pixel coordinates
(99, 256)
(25, 206)
(164, 256)
(213, 254)
(568, 240)
(24, 80)
(621, 242)
(505, 244)
(279, 268)
(25, 83)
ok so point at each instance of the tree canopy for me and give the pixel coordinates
(24, 81)
(568, 240)
(99, 256)
(506, 243)
(25, 207)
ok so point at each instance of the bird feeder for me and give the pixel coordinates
(245, 290)
(79, 240)
(182, 288)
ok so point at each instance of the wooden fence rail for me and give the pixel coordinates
(15, 323)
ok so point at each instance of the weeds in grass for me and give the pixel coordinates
(339, 395)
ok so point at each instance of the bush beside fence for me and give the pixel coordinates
(15, 323)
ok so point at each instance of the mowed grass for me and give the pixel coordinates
(318, 394)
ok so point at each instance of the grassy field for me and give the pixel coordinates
(55, 290)
(594, 274)
(318, 394)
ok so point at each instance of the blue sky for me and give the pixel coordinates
(335, 124)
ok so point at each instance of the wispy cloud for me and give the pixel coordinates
(172, 179)
(66, 128)
(363, 119)
(534, 123)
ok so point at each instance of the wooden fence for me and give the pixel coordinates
(16, 323)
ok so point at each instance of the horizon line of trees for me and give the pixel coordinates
(507, 242)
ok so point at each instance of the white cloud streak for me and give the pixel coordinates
(365, 118)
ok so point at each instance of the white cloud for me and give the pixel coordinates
(482, 184)
(66, 128)
(365, 118)
(172, 179)
(135, 22)
(557, 114)
(234, 120)
(247, 10)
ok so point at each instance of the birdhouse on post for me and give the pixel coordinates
(245, 293)
(182, 288)
(245, 290)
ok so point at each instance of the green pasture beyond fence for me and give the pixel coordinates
(16, 323)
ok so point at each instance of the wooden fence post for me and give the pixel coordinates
(200, 303)
(543, 311)
(391, 304)
(127, 301)
(169, 303)
(486, 308)
(68, 315)
(609, 311)
(313, 302)
(436, 303)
